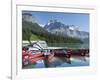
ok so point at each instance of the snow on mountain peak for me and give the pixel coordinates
(55, 26)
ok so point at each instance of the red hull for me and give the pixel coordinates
(30, 58)
(35, 59)
(79, 52)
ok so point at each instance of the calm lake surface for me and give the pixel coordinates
(61, 62)
(69, 45)
(57, 63)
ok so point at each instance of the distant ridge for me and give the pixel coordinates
(57, 27)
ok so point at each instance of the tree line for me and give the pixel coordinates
(29, 28)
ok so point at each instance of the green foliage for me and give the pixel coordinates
(34, 37)
(32, 31)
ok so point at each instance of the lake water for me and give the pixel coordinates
(61, 62)
(69, 45)
(57, 63)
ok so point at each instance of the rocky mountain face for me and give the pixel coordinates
(59, 28)
(28, 17)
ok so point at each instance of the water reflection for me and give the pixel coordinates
(60, 62)
(70, 45)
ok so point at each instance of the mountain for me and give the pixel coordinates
(28, 17)
(33, 30)
(59, 28)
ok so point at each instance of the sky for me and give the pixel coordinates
(81, 20)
